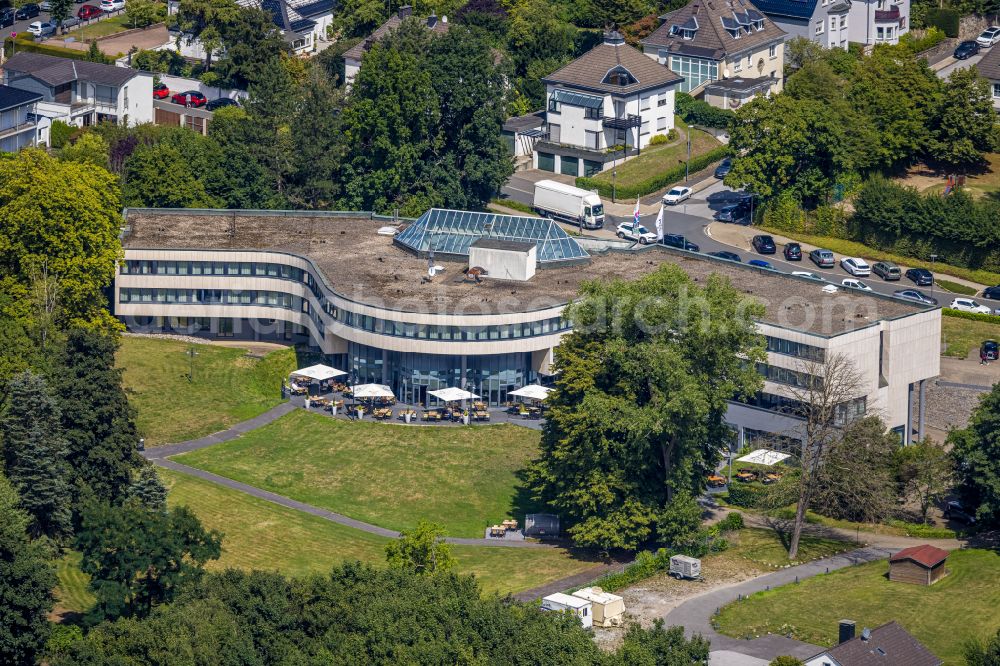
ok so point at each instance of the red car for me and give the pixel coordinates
(189, 98)
(161, 91)
(88, 12)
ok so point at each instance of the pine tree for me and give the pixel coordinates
(26, 582)
(148, 490)
(34, 453)
(97, 418)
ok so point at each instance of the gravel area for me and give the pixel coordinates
(949, 406)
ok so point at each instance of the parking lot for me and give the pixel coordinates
(21, 26)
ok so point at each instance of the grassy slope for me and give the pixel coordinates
(103, 28)
(961, 606)
(962, 336)
(769, 548)
(388, 475)
(72, 594)
(228, 387)
(261, 535)
(656, 159)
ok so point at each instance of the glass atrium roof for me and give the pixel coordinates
(453, 231)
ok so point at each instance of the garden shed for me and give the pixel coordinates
(921, 565)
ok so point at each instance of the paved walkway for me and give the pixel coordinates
(695, 614)
(159, 456)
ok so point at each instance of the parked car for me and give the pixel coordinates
(112, 5)
(161, 91)
(966, 50)
(69, 22)
(792, 252)
(677, 195)
(851, 283)
(920, 277)
(760, 263)
(41, 28)
(954, 510)
(220, 103)
(6, 18)
(988, 37)
(992, 293)
(763, 244)
(737, 213)
(915, 295)
(678, 241)
(28, 11)
(823, 258)
(723, 169)
(856, 266)
(728, 256)
(189, 98)
(88, 12)
(633, 232)
(811, 276)
(45, 6)
(969, 305)
(989, 350)
(886, 270)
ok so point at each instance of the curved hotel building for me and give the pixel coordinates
(458, 298)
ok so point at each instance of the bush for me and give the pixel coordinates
(921, 531)
(831, 221)
(659, 139)
(946, 20)
(699, 112)
(60, 133)
(26, 43)
(785, 213)
(746, 495)
(732, 522)
(654, 183)
(974, 316)
(646, 564)
(912, 45)
(161, 62)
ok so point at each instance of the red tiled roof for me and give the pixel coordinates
(925, 555)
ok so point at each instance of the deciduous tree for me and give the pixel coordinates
(966, 122)
(926, 472)
(977, 459)
(642, 387)
(421, 550)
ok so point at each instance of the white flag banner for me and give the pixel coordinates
(659, 224)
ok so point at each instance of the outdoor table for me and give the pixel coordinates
(432, 415)
(497, 531)
(482, 415)
(510, 524)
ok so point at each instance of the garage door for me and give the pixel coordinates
(546, 161)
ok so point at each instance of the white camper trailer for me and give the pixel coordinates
(682, 566)
(608, 609)
(569, 604)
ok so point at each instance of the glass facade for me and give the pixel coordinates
(412, 375)
(444, 333)
(796, 349)
(453, 231)
(695, 71)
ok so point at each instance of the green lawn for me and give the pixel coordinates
(72, 593)
(962, 336)
(769, 548)
(261, 535)
(228, 386)
(102, 28)
(956, 287)
(984, 183)
(657, 159)
(385, 474)
(943, 616)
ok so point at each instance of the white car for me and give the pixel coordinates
(112, 5)
(856, 266)
(855, 284)
(989, 37)
(969, 305)
(633, 232)
(42, 28)
(811, 276)
(676, 195)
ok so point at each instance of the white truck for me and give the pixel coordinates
(565, 202)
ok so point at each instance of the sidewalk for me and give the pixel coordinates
(739, 236)
(650, 204)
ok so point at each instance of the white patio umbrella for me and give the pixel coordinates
(763, 457)
(452, 394)
(372, 391)
(532, 392)
(318, 373)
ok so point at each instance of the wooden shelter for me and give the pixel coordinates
(921, 565)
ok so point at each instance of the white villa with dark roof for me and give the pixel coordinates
(836, 23)
(610, 96)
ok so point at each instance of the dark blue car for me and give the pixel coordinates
(966, 50)
(728, 256)
(760, 263)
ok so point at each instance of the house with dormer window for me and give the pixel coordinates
(836, 23)
(608, 103)
(726, 50)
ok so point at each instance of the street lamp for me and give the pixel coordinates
(933, 259)
(191, 353)
(614, 175)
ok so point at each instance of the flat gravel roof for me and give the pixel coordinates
(365, 267)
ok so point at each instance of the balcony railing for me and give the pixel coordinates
(17, 129)
(887, 15)
(623, 123)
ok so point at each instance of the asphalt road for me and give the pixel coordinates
(946, 71)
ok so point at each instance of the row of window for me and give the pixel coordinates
(790, 377)
(276, 299)
(453, 333)
(796, 349)
(230, 268)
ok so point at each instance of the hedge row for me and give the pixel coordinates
(974, 316)
(29, 45)
(745, 495)
(654, 183)
(947, 20)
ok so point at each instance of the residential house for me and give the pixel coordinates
(728, 51)
(354, 55)
(835, 23)
(989, 69)
(82, 93)
(888, 645)
(18, 121)
(611, 96)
